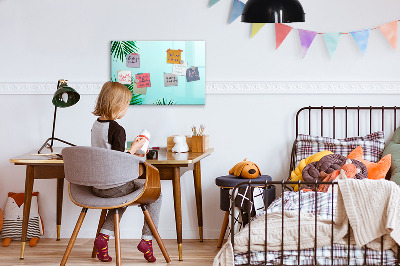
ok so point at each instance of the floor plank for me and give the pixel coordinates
(49, 252)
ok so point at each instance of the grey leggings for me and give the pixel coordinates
(154, 208)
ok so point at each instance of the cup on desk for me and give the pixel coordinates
(152, 155)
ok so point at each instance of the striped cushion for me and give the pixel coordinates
(13, 228)
(372, 145)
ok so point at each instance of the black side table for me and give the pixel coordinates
(226, 183)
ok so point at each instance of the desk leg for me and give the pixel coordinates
(60, 190)
(176, 182)
(27, 206)
(199, 204)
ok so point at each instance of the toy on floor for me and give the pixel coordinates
(245, 169)
(13, 215)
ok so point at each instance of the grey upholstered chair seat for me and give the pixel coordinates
(83, 196)
(85, 167)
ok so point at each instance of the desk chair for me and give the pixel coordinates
(85, 167)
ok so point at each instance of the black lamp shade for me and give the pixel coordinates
(65, 96)
(273, 11)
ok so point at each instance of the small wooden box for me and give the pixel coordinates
(200, 143)
(171, 143)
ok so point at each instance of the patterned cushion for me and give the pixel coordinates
(372, 144)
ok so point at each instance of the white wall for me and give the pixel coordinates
(43, 41)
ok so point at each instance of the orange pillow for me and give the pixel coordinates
(375, 170)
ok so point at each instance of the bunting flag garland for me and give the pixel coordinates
(281, 31)
(213, 2)
(389, 30)
(361, 37)
(306, 39)
(256, 27)
(237, 9)
(332, 41)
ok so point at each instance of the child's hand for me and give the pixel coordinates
(137, 144)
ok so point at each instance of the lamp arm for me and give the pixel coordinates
(54, 118)
(54, 126)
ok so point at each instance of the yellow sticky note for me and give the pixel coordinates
(174, 56)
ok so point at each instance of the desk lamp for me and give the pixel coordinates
(64, 96)
(272, 11)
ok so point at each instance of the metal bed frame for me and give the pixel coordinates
(283, 184)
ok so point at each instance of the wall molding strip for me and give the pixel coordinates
(231, 87)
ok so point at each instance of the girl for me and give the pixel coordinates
(112, 103)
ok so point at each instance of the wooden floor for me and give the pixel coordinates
(50, 252)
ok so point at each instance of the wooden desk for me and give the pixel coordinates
(171, 167)
(40, 167)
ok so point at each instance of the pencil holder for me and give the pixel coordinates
(200, 143)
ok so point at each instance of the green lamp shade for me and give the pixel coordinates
(65, 96)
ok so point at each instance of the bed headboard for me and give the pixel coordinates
(344, 121)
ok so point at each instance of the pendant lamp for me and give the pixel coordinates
(272, 11)
(64, 96)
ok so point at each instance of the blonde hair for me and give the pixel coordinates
(112, 99)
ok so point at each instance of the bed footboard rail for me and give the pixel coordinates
(282, 257)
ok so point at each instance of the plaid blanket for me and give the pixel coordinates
(340, 254)
(323, 205)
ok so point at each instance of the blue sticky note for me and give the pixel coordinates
(192, 75)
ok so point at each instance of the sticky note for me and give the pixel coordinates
(192, 75)
(136, 90)
(144, 80)
(133, 60)
(170, 79)
(174, 56)
(124, 77)
(179, 69)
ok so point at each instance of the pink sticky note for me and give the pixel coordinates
(144, 80)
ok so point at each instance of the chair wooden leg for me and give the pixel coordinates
(223, 229)
(154, 230)
(73, 237)
(117, 239)
(101, 222)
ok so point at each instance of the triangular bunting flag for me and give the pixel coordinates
(256, 28)
(237, 9)
(306, 39)
(332, 41)
(389, 30)
(213, 2)
(281, 31)
(361, 37)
